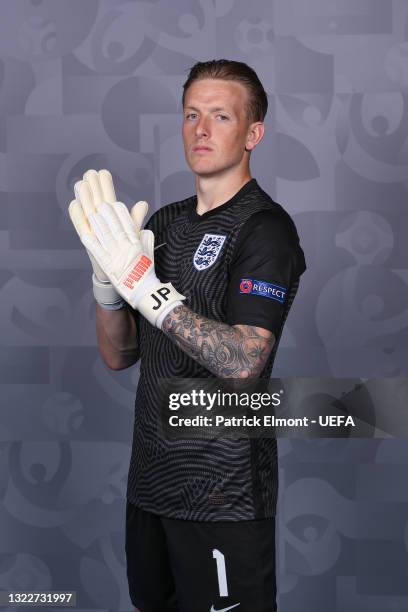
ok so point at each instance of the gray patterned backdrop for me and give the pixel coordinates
(97, 83)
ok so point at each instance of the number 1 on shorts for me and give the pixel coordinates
(221, 572)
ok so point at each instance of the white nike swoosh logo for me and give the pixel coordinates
(160, 245)
(224, 609)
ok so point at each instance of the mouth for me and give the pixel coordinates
(201, 149)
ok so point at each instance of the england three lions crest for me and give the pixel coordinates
(208, 251)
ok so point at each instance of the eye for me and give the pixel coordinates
(223, 117)
(191, 115)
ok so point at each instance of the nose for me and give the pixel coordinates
(202, 127)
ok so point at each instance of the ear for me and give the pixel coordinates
(255, 134)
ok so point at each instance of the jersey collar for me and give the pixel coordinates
(196, 218)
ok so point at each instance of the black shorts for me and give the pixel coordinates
(189, 566)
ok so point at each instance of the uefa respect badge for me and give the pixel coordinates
(262, 288)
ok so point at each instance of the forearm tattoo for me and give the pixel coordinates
(227, 352)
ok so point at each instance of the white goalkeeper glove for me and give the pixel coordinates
(128, 260)
(95, 188)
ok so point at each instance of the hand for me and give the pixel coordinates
(127, 258)
(95, 188)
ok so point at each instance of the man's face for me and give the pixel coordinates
(215, 125)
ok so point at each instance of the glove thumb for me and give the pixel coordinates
(147, 240)
(138, 214)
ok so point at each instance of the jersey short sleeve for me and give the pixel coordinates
(267, 260)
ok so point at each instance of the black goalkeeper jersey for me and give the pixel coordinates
(239, 263)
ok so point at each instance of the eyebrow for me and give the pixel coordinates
(212, 110)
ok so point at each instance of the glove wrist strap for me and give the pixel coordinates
(160, 299)
(106, 295)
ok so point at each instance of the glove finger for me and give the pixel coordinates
(127, 222)
(103, 231)
(138, 214)
(147, 240)
(82, 227)
(94, 247)
(110, 214)
(99, 273)
(83, 194)
(78, 218)
(107, 188)
(91, 177)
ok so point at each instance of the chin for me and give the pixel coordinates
(202, 169)
(206, 171)
(205, 167)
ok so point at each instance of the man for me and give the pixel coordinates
(209, 301)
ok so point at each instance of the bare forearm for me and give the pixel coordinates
(224, 350)
(117, 337)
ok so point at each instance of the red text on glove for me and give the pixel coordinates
(137, 272)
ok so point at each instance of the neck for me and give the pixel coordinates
(212, 191)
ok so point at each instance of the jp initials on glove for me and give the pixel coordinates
(127, 258)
